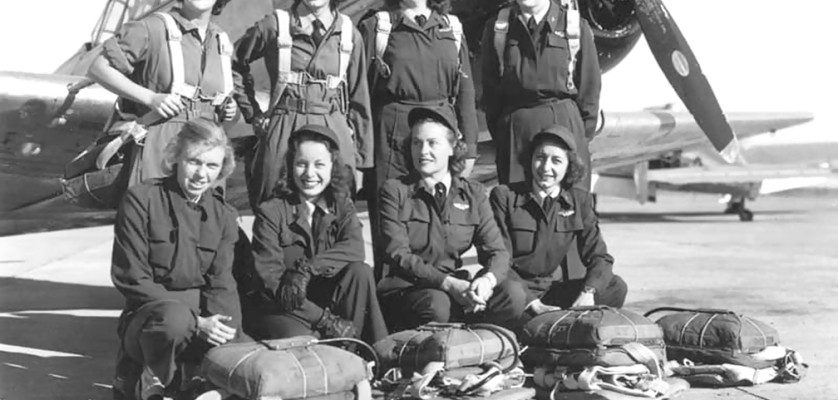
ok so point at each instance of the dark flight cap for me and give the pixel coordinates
(320, 130)
(443, 115)
(557, 132)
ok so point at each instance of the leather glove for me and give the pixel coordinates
(293, 286)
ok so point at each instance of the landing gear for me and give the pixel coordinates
(736, 205)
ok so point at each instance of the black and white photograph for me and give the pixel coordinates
(418, 200)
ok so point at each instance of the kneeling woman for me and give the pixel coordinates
(173, 260)
(544, 218)
(429, 218)
(309, 250)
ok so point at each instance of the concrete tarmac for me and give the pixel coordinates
(58, 309)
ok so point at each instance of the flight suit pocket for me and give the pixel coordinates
(557, 50)
(418, 221)
(522, 232)
(463, 224)
(569, 223)
(161, 252)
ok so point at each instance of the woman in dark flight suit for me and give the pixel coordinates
(429, 219)
(173, 260)
(309, 250)
(420, 64)
(544, 218)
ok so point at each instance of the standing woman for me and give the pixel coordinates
(172, 261)
(429, 218)
(316, 63)
(137, 64)
(309, 250)
(544, 218)
(418, 56)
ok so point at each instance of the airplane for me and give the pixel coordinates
(46, 120)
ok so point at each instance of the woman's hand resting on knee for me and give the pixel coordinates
(214, 331)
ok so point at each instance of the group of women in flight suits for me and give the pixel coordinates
(392, 99)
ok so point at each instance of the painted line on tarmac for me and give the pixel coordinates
(7, 348)
(15, 365)
(57, 376)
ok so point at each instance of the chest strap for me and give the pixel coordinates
(174, 39)
(572, 33)
(285, 43)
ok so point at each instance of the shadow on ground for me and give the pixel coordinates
(91, 338)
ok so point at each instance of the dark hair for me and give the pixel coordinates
(457, 161)
(217, 7)
(575, 167)
(333, 4)
(340, 184)
(440, 6)
(199, 134)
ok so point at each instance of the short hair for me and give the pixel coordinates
(457, 161)
(575, 167)
(339, 185)
(440, 6)
(199, 135)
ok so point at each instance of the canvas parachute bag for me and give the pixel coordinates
(717, 347)
(294, 368)
(98, 176)
(451, 359)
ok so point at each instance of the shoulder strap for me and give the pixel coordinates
(501, 30)
(225, 50)
(283, 47)
(457, 29)
(346, 45)
(573, 34)
(383, 27)
(173, 38)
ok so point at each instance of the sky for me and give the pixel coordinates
(759, 55)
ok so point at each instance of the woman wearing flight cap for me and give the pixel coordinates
(317, 68)
(429, 218)
(173, 261)
(422, 59)
(543, 219)
(309, 250)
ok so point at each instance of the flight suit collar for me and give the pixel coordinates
(173, 187)
(301, 25)
(525, 195)
(418, 186)
(553, 17)
(406, 17)
(186, 26)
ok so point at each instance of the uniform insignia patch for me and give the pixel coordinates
(461, 206)
(566, 213)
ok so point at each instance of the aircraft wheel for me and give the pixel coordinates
(746, 215)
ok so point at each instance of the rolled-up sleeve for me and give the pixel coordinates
(397, 242)
(268, 257)
(131, 272)
(128, 47)
(488, 240)
(220, 295)
(360, 116)
(592, 248)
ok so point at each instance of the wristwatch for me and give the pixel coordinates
(589, 289)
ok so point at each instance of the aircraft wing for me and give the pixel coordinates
(730, 174)
(629, 137)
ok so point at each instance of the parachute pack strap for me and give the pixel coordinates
(225, 51)
(501, 30)
(573, 32)
(457, 30)
(283, 54)
(173, 39)
(383, 27)
(346, 45)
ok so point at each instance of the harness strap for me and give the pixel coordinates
(383, 27)
(457, 30)
(346, 46)
(283, 47)
(225, 50)
(174, 38)
(501, 30)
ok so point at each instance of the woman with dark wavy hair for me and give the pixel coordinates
(309, 250)
(543, 219)
(173, 263)
(429, 218)
(317, 68)
(417, 56)
(136, 65)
